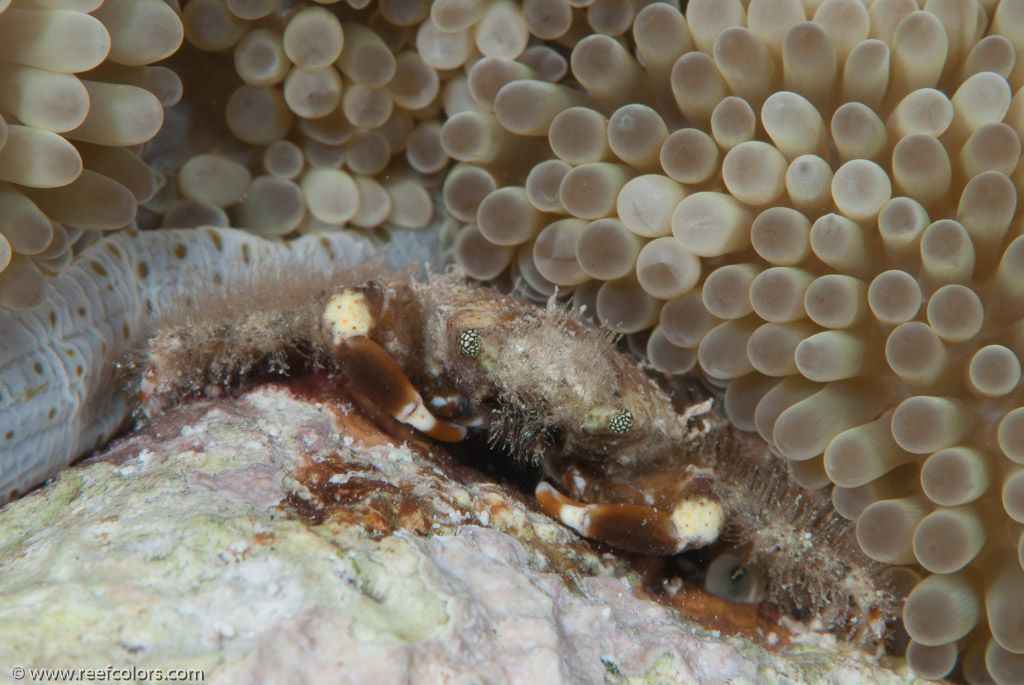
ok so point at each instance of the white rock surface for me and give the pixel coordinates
(278, 537)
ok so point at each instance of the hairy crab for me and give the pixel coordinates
(446, 357)
(549, 387)
(635, 470)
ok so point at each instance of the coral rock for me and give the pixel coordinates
(280, 536)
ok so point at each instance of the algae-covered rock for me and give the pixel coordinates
(281, 536)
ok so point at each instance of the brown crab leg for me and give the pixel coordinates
(694, 521)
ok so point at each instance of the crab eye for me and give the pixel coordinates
(620, 422)
(469, 343)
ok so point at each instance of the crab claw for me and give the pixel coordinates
(350, 317)
(694, 521)
(368, 367)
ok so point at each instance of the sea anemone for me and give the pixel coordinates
(811, 204)
(76, 97)
(814, 206)
(322, 102)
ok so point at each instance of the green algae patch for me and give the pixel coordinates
(394, 601)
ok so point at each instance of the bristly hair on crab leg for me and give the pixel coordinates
(640, 474)
(224, 337)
